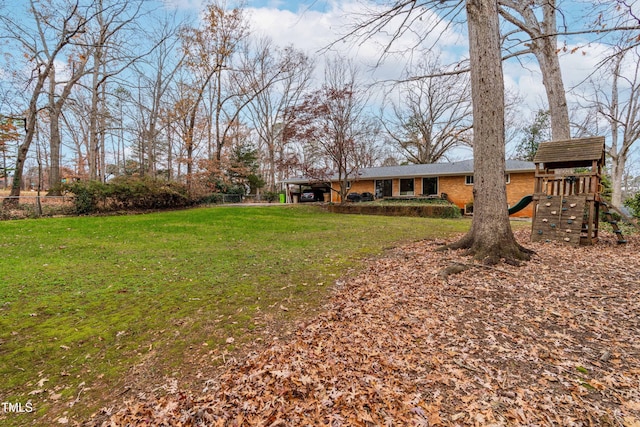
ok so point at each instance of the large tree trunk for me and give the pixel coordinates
(546, 51)
(23, 149)
(94, 143)
(544, 45)
(617, 174)
(54, 138)
(57, 102)
(623, 118)
(272, 168)
(490, 238)
(618, 158)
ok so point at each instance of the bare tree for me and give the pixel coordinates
(99, 49)
(333, 125)
(539, 22)
(536, 20)
(157, 74)
(617, 100)
(187, 125)
(52, 27)
(617, 16)
(431, 115)
(76, 121)
(109, 44)
(250, 75)
(209, 51)
(57, 99)
(268, 108)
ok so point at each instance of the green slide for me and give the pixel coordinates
(521, 204)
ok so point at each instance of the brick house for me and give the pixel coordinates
(453, 179)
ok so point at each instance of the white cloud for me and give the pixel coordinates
(184, 4)
(524, 77)
(316, 31)
(579, 63)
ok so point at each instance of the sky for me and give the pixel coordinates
(315, 25)
(312, 26)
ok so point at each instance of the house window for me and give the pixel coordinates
(348, 185)
(507, 178)
(406, 187)
(384, 188)
(430, 186)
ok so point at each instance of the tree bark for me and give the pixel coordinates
(546, 52)
(544, 46)
(490, 238)
(94, 142)
(43, 62)
(618, 159)
(619, 105)
(55, 140)
(617, 174)
(30, 129)
(624, 120)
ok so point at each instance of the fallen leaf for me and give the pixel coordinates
(395, 345)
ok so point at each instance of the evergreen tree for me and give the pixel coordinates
(535, 133)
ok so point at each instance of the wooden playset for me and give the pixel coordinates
(567, 194)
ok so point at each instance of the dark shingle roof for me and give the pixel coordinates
(464, 167)
(570, 151)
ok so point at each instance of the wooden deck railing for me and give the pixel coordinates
(571, 185)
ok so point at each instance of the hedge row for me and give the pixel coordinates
(127, 193)
(430, 211)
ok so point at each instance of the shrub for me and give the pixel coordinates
(212, 198)
(148, 193)
(270, 196)
(128, 193)
(87, 195)
(424, 210)
(633, 203)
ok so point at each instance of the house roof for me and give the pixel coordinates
(464, 167)
(571, 152)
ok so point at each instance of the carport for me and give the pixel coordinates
(296, 186)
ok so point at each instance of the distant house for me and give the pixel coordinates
(455, 180)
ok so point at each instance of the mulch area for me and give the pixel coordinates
(555, 342)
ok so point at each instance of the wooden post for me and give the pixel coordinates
(590, 222)
(596, 219)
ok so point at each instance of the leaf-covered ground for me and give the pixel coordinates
(555, 342)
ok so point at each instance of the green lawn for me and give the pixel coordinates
(82, 300)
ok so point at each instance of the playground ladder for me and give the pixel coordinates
(614, 224)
